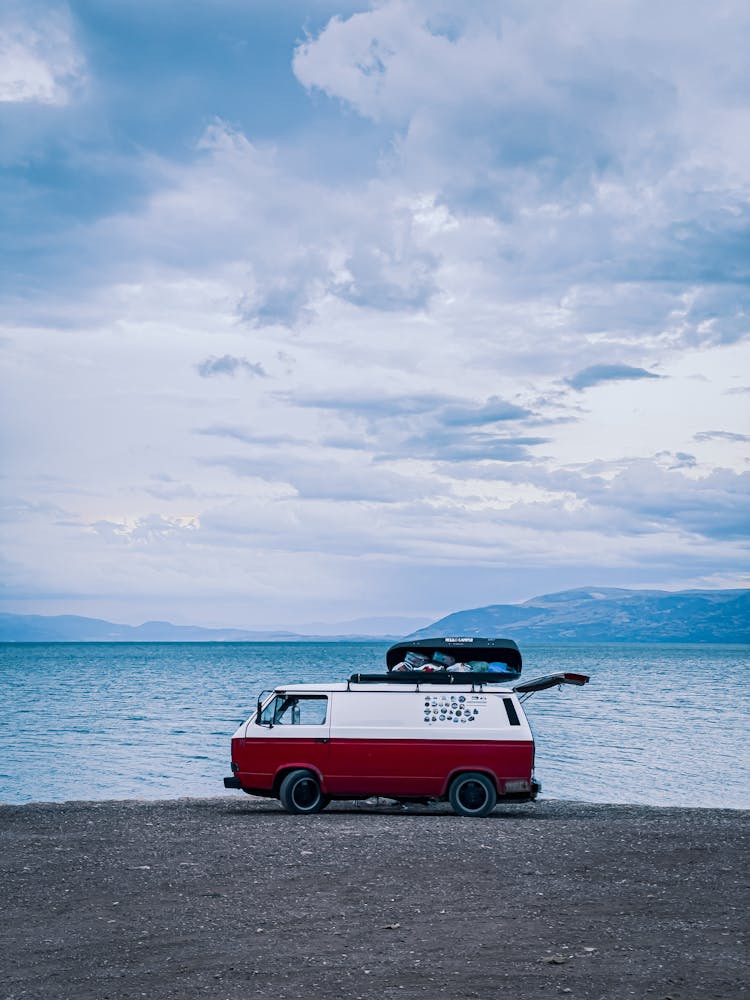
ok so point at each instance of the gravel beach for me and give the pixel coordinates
(231, 897)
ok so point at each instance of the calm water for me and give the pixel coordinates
(660, 725)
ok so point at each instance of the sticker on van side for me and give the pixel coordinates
(453, 709)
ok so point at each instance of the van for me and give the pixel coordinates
(442, 724)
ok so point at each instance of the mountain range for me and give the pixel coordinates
(583, 615)
(74, 628)
(607, 614)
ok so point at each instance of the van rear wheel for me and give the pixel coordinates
(472, 794)
(300, 793)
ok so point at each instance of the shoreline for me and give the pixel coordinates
(349, 803)
(231, 897)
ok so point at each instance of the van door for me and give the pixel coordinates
(368, 754)
(293, 731)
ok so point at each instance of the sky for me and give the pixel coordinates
(319, 311)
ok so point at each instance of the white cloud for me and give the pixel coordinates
(547, 206)
(40, 62)
(590, 137)
(608, 76)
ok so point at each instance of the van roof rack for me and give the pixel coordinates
(434, 677)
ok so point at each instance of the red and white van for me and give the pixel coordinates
(409, 735)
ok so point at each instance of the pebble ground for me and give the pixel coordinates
(231, 897)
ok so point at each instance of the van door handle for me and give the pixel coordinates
(321, 739)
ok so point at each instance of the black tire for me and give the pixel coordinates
(472, 794)
(300, 793)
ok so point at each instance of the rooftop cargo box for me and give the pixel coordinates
(463, 649)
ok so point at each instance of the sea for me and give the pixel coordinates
(662, 725)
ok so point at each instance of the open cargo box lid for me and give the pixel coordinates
(463, 649)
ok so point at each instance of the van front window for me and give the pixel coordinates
(296, 710)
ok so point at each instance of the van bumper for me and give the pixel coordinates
(533, 788)
(232, 782)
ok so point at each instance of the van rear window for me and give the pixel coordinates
(511, 712)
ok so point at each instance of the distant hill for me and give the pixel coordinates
(609, 615)
(73, 628)
(585, 615)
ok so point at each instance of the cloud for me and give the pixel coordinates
(652, 498)
(388, 277)
(495, 410)
(449, 446)
(360, 480)
(716, 507)
(228, 365)
(425, 426)
(365, 404)
(39, 60)
(564, 90)
(446, 410)
(145, 531)
(454, 212)
(288, 301)
(577, 134)
(248, 437)
(720, 436)
(683, 460)
(598, 374)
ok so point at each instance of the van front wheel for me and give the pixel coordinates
(472, 794)
(300, 793)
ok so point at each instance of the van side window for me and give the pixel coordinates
(297, 710)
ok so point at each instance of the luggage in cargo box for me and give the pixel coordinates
(492, 659)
